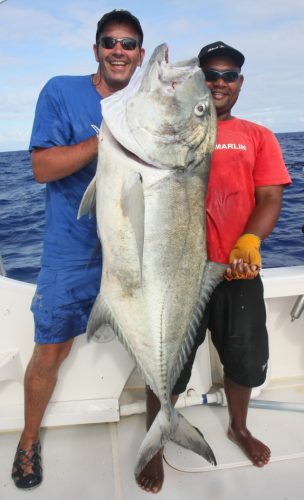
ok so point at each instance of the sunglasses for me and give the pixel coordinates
(108, 42)
(211, 75)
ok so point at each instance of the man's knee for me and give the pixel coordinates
(49, 357)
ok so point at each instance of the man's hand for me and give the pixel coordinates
(245, 258)
(239, 270)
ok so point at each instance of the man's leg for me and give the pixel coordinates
(238, 329)
(238, 398)
(152, 476)
(39, 383)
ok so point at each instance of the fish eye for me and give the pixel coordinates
(200, 109)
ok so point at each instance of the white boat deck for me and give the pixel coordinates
(84, 459)
(95, 462)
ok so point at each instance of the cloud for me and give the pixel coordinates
(66, 24)
(40, 40)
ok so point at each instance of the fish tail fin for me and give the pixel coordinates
(154, 440)
(175, 428)
(191, 438)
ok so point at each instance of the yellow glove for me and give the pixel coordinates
(244, 254)
(247, 248)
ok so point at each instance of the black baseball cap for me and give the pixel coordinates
(119, 16)
(220, 49)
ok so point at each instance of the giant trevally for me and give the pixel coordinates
(153, 163)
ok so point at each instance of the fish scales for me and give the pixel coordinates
(150, 187)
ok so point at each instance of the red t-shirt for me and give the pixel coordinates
(246, 156)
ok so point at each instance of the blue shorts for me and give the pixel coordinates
(63, 301)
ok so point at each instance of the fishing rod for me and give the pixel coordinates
(298, 308)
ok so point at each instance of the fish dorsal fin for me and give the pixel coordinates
(213, 275)
(88, 203)
(133, 206)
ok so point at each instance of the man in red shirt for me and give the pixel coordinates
(244, 199)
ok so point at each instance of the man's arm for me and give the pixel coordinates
(261, 223)
(52, 164)
(267, 210)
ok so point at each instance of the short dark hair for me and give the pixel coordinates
(119, 16)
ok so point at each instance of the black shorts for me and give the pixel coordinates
(236, 318)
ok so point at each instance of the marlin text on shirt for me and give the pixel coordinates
(231, 146)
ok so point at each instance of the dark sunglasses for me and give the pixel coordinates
(211, 75)
(108, 42)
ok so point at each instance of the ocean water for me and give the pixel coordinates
(22, 214)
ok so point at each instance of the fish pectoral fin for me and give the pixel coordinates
(100, 325)
(176, 429)
(88, 202)
(133, 207)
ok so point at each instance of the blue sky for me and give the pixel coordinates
(40, 39)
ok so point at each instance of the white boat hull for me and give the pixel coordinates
(88, 392)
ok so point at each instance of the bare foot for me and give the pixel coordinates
(255, 450)
(152, 476)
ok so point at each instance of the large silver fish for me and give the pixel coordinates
(154, 152)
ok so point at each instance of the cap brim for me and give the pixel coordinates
(232, 53)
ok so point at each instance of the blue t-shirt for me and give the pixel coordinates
(67, 108)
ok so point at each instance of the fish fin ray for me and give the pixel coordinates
(176, 428)
(88, 203)
(157, 436)
(102, 327)
(133, 206)
(212, 276)
(190, 437)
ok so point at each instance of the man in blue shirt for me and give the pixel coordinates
(64, 154)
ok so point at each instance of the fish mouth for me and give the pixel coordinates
(165, 80)
(160, 70)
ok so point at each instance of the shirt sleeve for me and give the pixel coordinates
(51, 124)
(270, 168)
